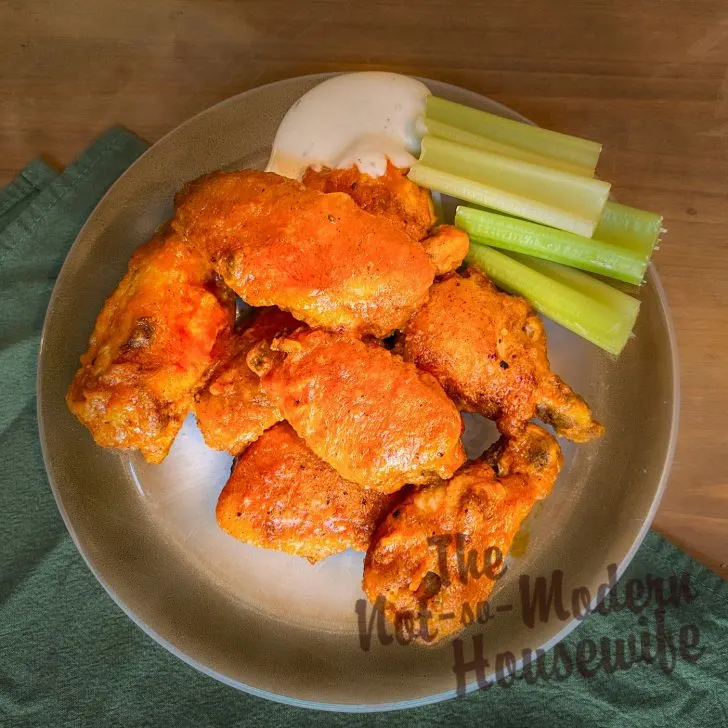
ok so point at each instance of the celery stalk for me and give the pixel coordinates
(461, 136)
(574, 193)
(479, 194)
(608, 327)
(591, 287)
(553, 197)
(630, 228)
(574, 150)
(521, 236)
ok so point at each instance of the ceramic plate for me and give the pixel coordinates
(272, 624)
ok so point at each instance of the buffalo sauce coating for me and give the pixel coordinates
(376, 419)
(234, 410)
(319, 256)
(440, 550)
(281, 496)
(391, 195)
(488, 350)
(402, 202)
(151, 348)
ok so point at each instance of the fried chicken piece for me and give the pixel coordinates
(443, 546)
(535, 453)
(488, 350)
(567, 412)
(400, 200)
(392, 195)
(281, 496)
(233, 410)
(377, 420)
(317, 255)
(151, 348)
(447, 247)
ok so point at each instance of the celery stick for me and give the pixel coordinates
(580, 199)
(548, 243)
(461, 136)
(630, 228)
(479, 194)
(594, 288)
(581, 152)
(606, 326)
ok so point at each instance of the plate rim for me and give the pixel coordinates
(472, 686)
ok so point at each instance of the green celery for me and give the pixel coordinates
(630, 228)
(546, 195)
(479, 194)
(596, 289)
(590, 316)
(521, 236)
(574, 150)
(469, 139)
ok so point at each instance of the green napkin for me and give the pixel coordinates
(70, 657)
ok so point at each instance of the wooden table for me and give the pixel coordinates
(648, 78)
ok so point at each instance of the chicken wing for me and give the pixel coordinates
(151, 348)
(233, 410)
(488, 350)
(400, 200)
(281, 496)
(447, 247)
(377, 420)
(316, 255)
(442, 547)
(392, 195)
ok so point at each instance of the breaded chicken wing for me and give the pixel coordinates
(447, 247)
(151, 348)
(233, 410)
(400, 200)
(317, 255)
(392, 195)
(377, 420)
(443, 546)
(281, 496)
(488, 350)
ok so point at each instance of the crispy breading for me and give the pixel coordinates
(233, 410)
(391, 195)
(400, 200)
(151, 348)
(281, 496)
(488, 350)
(419, 555)
(377, 420)
(447, 247)
(317, 255)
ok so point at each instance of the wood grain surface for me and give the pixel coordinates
(648, 78)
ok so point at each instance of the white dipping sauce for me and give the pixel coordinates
(356, 118)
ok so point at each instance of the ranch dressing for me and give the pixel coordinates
(355, 118)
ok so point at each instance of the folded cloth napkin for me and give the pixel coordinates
(70, 657)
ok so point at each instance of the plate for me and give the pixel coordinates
(275, 625)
